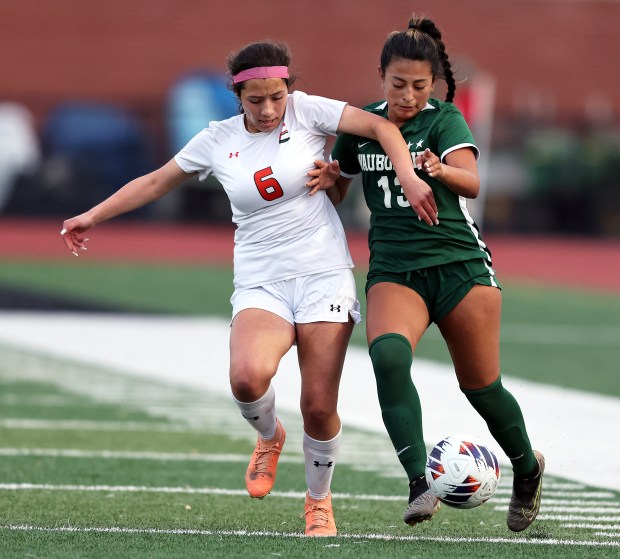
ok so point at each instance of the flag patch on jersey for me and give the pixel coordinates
(284, 137)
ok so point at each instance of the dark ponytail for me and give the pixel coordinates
(421, 41)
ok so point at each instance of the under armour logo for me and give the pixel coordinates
(328, 465)
(233, 154)
(335, 308)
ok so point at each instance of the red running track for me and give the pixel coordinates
(572, 262)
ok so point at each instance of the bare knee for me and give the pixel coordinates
(249, 380)
(318, 413)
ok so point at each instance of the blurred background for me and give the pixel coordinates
(95, 93)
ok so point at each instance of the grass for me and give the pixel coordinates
(549, 334)
(96, 463)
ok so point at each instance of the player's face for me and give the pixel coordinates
(408, 84)
(263, 101)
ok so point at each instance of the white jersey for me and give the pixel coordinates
(282, 232)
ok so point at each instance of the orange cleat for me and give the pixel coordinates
(261, 473)
(320, 517)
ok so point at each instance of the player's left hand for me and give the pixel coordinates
(430, 163)
(324, 176)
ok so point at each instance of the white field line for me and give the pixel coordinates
(341, 536)
(597, 508)
(126, 455)
(593, 526)
(84, 425)
(577, 518)
(548, 502)
(552, 497)
(563, 485)
(575, 509)
(40, 401)
(559, 497)
(192, 352)
(580, 491)
(180, 490)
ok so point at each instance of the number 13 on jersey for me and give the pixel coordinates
(384, 183)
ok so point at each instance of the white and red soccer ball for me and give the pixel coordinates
(462, 471)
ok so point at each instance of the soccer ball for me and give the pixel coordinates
(462, 471)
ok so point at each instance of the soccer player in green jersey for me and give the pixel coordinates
(422, 273)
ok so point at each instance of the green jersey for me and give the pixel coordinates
(398, 240)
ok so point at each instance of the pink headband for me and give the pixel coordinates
(261, 72)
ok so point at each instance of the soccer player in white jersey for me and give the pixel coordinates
(292, 269)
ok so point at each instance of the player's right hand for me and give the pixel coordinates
(420, 197)
(73, 230)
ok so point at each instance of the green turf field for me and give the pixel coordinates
(552, 335)
(99, 464)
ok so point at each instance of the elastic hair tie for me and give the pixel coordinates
(261, 72)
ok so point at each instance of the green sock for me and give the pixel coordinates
(391, 357)
(503, 416)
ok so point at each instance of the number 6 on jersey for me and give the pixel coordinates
(268, 187)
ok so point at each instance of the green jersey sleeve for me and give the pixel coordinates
(451, 132)
(344, 152)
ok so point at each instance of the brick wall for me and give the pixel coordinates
(546, 55)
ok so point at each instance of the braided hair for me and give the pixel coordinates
(421, 41)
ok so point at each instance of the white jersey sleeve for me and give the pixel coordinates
(282, 232)
(196, 156)
(319, 114)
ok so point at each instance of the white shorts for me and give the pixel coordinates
(325, 297)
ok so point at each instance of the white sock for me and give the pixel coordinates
(320, 458)
(261, 415)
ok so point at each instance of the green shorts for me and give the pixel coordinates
(441, 287)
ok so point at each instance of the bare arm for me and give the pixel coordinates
(133, 195)
(326, 176)
(459, 173)
(338, 193)
(418, 193)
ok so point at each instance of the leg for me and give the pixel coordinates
(397, 319)
(471, 331)
(258, 341)
(321, 348)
